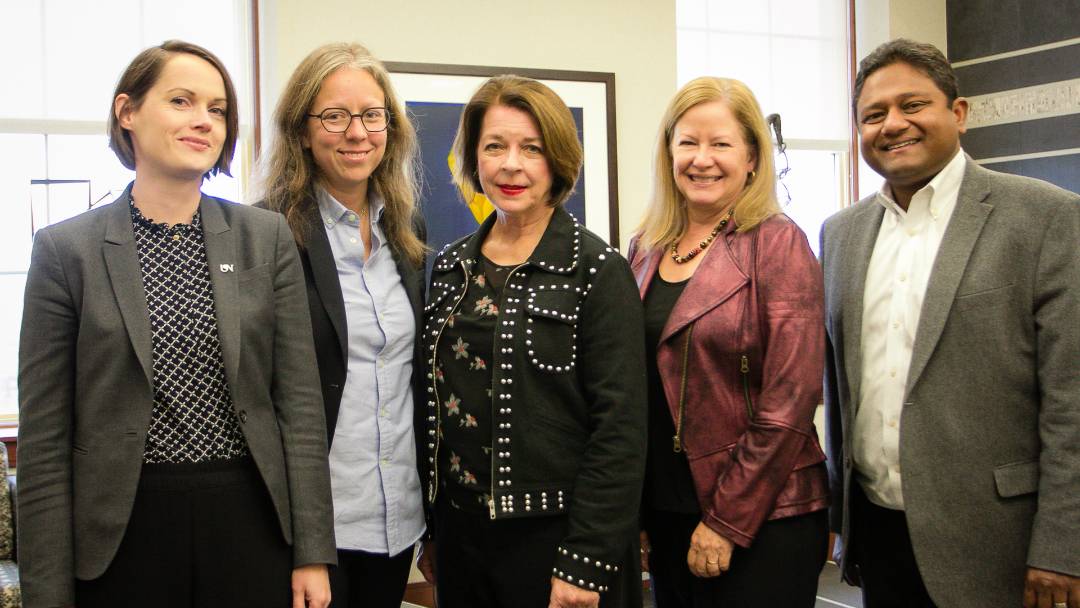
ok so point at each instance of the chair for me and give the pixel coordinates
(10, 594)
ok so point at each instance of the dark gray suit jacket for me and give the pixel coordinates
(990, 429)
(85, 387)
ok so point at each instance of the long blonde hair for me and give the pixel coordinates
(291, 171)
(665, 218)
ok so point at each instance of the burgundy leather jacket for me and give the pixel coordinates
(741, 356)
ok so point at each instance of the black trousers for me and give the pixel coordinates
(369, 580)
(882, 550)
(481, 563)
(779, 570)
(199, 535)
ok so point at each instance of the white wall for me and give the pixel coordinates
(635, 39)
(878, 21)
(922, 20)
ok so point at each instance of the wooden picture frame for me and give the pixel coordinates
(435, 94)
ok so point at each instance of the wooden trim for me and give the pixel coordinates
(256, 81)
(420, 594)
(607, 78)
(9, 436)
(853, 69)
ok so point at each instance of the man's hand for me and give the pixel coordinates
(565, 595)
(1046, 589)
(710, 553)
(310, 587)
(425, 560)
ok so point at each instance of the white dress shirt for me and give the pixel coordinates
(896, 280)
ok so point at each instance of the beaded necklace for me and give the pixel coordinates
(682, 259)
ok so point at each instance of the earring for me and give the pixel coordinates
(751, 177)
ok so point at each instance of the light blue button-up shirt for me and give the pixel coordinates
(378, 504)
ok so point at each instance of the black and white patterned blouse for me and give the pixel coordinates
(193, 418)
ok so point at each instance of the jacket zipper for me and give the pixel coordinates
(502, 307)
(745, 369)
(677, 439)
(434, 490)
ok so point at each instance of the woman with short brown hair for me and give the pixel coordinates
(535, 377)
(171, 442)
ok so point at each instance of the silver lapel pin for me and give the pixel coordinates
(226, 267)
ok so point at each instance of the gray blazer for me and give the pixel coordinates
(990, 429)
(86, 394)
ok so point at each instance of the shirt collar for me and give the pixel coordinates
(557, 252)
(942, 189)
(332, 211)
(137, 218)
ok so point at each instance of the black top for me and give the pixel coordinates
(193, 418)
(668, 484)
(463, 359)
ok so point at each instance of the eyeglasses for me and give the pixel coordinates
(338, 120)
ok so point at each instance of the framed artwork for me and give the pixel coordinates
(436, 94)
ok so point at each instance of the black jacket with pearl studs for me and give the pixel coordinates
(568, 399)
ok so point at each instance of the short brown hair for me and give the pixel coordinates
(922, 56)
(141, 75)
(557, 130)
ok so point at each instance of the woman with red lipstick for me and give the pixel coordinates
(342, 172)
(735, 489)
(171, 440)
(535, 385)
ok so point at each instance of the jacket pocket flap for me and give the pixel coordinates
(558, 305)
(437, 293)
(1017, 478)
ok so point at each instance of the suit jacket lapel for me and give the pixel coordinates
(862, 231)
(644, 268)
(221, 256)
(125, 277)
(412, 284)
(959, 240)
(324, 273)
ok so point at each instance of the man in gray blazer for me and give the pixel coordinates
(952, 384)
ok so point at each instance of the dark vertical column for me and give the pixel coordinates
(1018, 61)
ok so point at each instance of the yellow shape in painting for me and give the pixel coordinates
(479, 204)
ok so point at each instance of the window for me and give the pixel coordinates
(793, 55)
(63, 60)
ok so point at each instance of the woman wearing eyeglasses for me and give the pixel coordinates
(341, 170)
